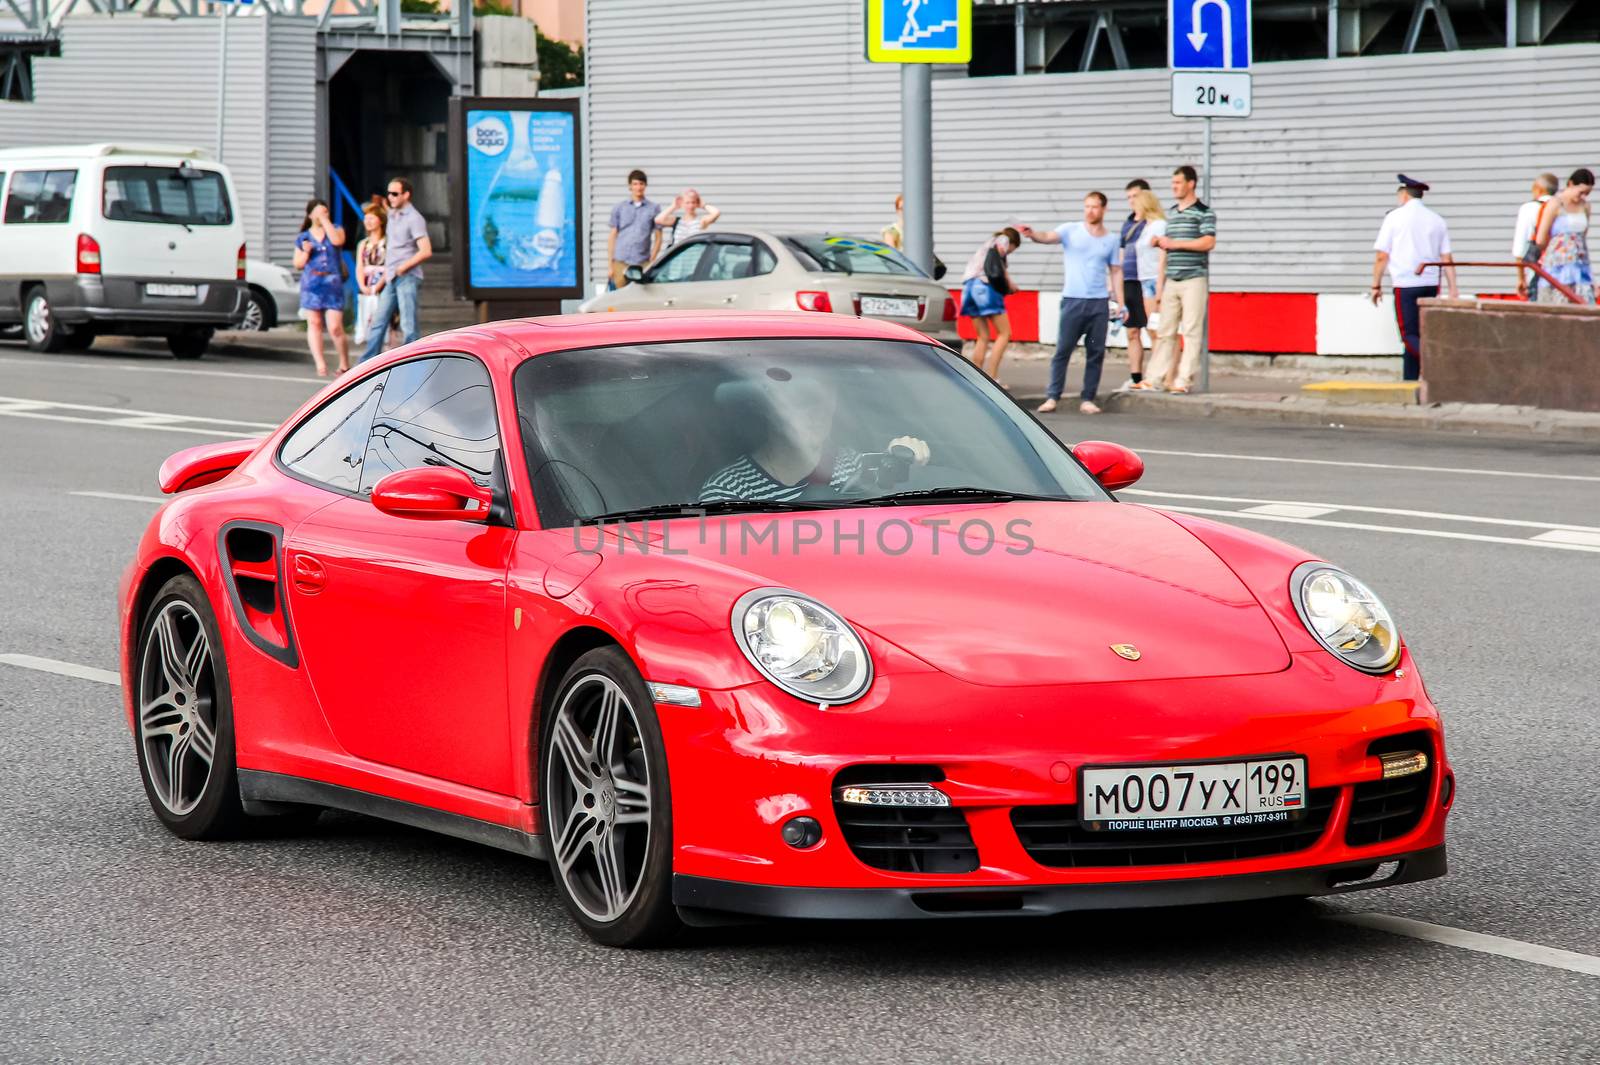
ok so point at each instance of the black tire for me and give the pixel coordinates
(81, 339)
(39, 326)
(259, 315)
(191, 343)
(649, 917)
(216, 812)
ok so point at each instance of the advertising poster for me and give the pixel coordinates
(521, 199)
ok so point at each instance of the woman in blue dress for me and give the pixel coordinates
(317, 255)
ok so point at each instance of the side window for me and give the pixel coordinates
(732, 262)
(434, 412)
(329, 446)
(679, 266)
(40, 196)
(766, 262)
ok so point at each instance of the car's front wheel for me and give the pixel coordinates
(183, 727)
(607, 804)
(258, 316)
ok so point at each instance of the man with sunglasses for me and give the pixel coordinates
(409, 246)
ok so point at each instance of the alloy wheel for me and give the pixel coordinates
(597, 797)
(38, 319)
(255, 316)
(177, 707)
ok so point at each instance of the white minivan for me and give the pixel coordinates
(97, 239)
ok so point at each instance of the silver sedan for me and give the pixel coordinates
(754, 270)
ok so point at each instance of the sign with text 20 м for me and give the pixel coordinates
(919, 31)
(1208, 49)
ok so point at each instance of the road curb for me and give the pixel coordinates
(1461, 418)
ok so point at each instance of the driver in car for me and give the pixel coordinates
(797, 459)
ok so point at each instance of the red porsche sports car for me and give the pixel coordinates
(785, 615)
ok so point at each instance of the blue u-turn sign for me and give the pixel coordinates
(1208, 34)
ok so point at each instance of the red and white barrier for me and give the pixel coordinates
(1268, 323)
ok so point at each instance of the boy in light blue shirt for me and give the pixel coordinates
(1091, 270)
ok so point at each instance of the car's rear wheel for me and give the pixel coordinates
(39, 325)
(607, 803)
(183, 727)
(189, 343)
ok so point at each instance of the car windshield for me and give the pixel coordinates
(851, 255)
(776, 424)
(163, 194)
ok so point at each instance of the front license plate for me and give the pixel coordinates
(1198, 795)
(889, 307)
(171, 290)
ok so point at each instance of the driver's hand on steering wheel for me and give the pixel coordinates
(918, 448)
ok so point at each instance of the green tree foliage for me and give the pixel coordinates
(560, 64)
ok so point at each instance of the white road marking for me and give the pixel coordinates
(107, 364)
(64, 669)
(1284, 510)
(126, 418)
(1368, 527)
(1284, 507)
(119, 495)
(1369, 465)
(1570, 536)
(1478, 941)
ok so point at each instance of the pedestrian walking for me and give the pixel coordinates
(686, 217)
(1141, 264)
(1561, 244)
(320, 260)
(635, 238)
(406, 248)
(894, 234)
(1544, 187)
(371, 251)
(984, 288)
(1411, 235)
(1183, 286)
(1091, 271)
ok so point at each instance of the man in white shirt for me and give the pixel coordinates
(1544, 187)
(1410, 236)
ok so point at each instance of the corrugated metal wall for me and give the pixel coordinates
(147, 80)
(770, 111)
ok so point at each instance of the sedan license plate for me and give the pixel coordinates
(889, 307)
(156, 289)
(1198, 795)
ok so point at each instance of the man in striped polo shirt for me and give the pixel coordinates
(1184, 287)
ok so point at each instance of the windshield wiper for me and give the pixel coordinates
(721, 506)
(958, 494)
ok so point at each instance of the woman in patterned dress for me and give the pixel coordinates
(317, 255)
(1562, 242)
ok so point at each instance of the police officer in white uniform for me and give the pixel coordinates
(1410, 236)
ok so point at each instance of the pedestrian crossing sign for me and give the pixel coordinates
(919, 31)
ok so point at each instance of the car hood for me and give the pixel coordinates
(1062, 585)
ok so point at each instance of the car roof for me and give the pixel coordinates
(538, 336)
(96, 151)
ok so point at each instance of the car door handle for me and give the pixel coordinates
(668, 303)
(310, 576)
(729, 299)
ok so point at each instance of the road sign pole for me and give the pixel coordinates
(222, 78)
(1205, 331)
(916, 161)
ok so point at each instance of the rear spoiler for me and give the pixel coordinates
(206, 464)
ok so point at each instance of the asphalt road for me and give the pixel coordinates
(359, 941)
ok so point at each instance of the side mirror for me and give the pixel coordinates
(433, 493)
(939, 269)
(634, 274)
(1113, 465)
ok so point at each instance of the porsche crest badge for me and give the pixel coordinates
(1126, 650)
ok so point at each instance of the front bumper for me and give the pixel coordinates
(123, 304)
(698, 895)
(751, 758)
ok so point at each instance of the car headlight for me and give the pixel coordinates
(801, 646)
(1346, 617)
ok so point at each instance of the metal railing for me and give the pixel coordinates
(44, 17)
(1544, 275)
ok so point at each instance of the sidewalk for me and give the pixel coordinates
(1276, 396)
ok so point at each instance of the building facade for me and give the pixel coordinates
(773, 114)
